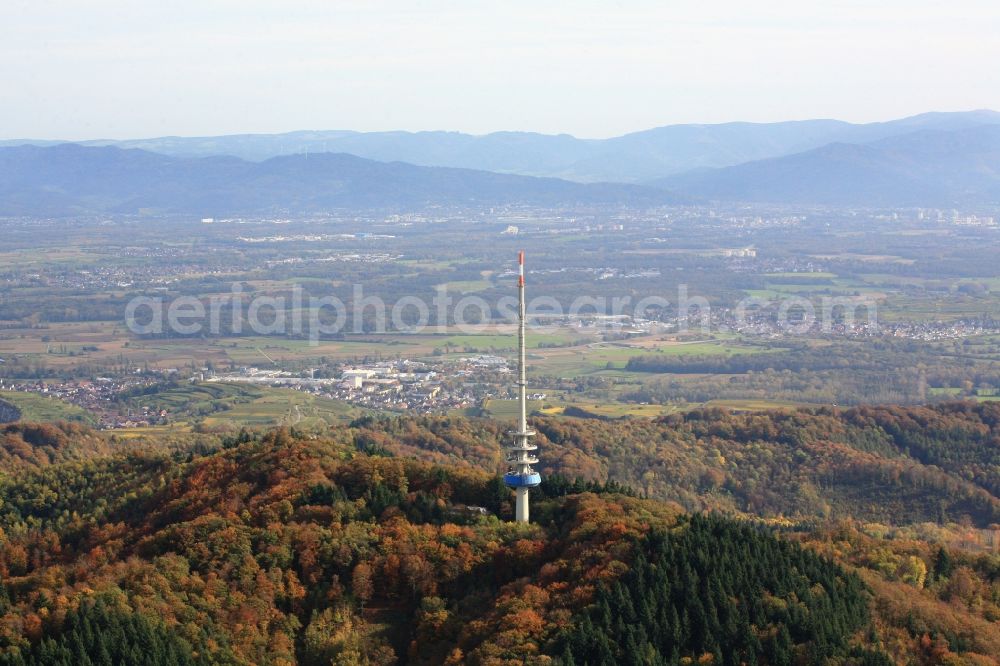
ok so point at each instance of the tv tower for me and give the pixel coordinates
(520, 454)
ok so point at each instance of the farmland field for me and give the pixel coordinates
(37, 407)
(229, 406)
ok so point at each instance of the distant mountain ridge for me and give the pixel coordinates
(935, 160)
(635, 157)
(929, 167)
(70, 179)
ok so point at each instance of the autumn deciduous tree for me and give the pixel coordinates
(362, 583)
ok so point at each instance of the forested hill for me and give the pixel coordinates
(894, 465)
(288, 550)
(923, 168)
(35, 445)
(285, 548)
(69, 179)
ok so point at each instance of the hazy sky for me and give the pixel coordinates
(80, 69)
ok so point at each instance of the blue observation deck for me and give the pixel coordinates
(516, 480)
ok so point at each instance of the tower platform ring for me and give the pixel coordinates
(515, 480)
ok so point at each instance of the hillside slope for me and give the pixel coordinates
(280, 550)
(884, 464)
